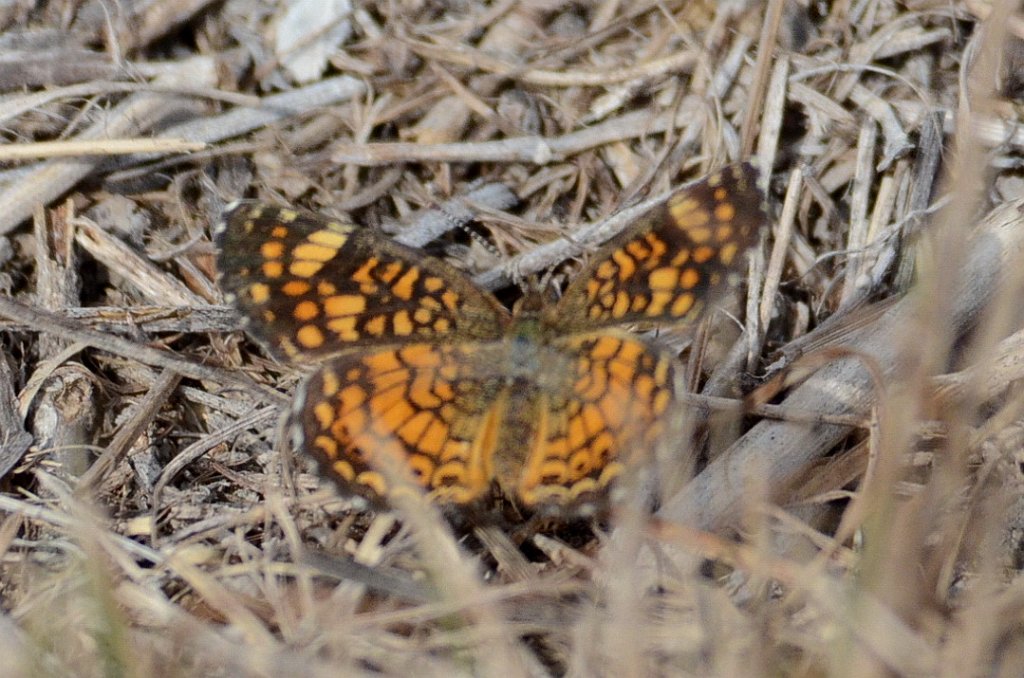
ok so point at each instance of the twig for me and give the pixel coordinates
(43, 321)
(64, 149)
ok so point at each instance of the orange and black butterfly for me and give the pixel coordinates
(428, 384)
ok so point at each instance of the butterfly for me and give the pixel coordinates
(427, 385)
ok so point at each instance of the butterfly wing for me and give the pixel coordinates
(308, 286)
(417, 418)
(674, 260)
(608, 409)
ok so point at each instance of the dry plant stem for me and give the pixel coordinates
(210, 528)
(378, 578)
(14, 644)
(269, 110)
(19, 105)
(149, 280)
(433, 223)
(43, 371)
(925, 172)
(52, 67)
(14, 439)
(142, 416)
(447, 119)
(896, 142)
(818, 485)
(740, 408)
(982, 8)
(141, 111)
(457, 54)
(42, 321)
(773, 451)
(544, 150)
(511, 561)
(777, 258)
(217, 648)
(878, 260)
(862, 503)
(532, 149)
(857, 235)
(988, 379)
(62, 419)
(765, 48)
(57, 281)
(137, 114)
(910, 397)
(455, 578)
(195, 319)
(771, 122)
(61, 519)
(226, 602)
(863, 53)
(552, 586)
(65, 149)
(987, 130)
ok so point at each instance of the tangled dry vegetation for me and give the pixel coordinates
(858, 513)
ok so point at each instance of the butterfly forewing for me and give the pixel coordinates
(675, 260)
(310, 286)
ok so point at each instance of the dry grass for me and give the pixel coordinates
(862, 514)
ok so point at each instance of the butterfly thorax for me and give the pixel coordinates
(534, 319)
